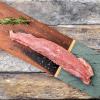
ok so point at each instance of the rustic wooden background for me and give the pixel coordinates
(73, 18)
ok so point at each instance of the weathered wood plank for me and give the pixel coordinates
(33, 85)
(88, 34)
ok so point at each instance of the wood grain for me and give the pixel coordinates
(87, 34)
(34, 85)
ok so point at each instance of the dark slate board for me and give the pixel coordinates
(93, 58)
(42, 60)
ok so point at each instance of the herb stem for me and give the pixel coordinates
(13, 21)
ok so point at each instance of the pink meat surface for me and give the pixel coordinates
(75, 66)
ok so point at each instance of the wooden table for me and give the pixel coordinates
(39, 85)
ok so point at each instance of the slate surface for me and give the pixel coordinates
(57, 12)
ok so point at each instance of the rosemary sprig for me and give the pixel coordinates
(13, 21)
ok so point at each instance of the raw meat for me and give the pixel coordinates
(75, 66)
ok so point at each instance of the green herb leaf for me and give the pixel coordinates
(11, 20)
